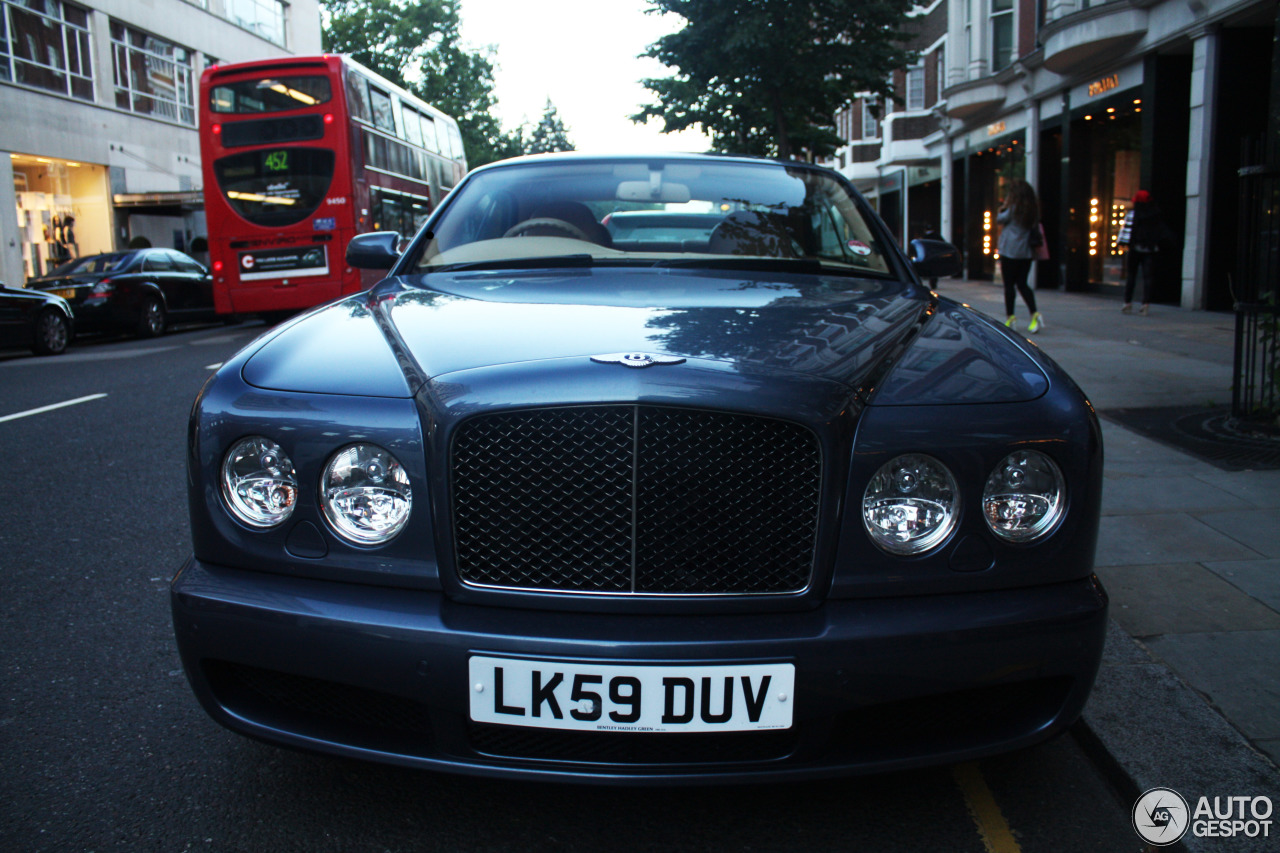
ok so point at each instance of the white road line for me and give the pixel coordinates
(44, 409)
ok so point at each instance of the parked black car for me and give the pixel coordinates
(553, 503)
(30, 318)
(142, 291)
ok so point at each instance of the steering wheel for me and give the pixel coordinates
(568, 229)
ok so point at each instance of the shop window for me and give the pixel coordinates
(45, 44)
(1001, 34)
(261, 17)
(915, 87)
(153, 77)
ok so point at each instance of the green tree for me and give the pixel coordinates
(550, 134)
(767, 76)
(416, 45)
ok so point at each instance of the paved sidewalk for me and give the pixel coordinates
(1189, 693)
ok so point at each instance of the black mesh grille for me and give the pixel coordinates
(635, 499)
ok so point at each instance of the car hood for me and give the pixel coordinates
(837, 328)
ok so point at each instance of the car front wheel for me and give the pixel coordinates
(151, 323)
(53, 332)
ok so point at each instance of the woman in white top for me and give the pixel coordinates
(1019, 218)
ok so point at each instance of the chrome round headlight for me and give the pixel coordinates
(365, 494)
(911, 504)
(1025, 497)
(258, 482)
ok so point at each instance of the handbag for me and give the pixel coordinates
(1039, 245)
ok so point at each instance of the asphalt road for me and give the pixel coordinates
(102, 746)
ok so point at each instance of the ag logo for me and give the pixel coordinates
(1161, 817)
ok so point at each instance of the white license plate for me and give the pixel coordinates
(655, 698)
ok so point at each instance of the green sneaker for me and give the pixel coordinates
(1037, 323)
(1011, 323)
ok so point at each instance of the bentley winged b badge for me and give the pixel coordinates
(636, 359)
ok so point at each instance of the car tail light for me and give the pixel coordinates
(217, 266)
(217, 129)
(328, 118)
(102, 289)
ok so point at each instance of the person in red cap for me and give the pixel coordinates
(1143, 232)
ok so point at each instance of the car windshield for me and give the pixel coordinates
(94, 264)
(658, 211)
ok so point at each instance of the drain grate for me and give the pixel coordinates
(1209, 434)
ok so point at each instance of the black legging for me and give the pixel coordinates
(1015, 272)
(1139, 262)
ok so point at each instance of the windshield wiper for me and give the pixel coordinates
(548, 262)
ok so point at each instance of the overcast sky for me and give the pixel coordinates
(582, 54)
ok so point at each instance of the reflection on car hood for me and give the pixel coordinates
(837, 328)
(67, 280)
(846, 330)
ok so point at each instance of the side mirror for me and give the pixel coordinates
(377, 250)
(935, 259)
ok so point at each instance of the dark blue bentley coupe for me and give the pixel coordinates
(711, 491)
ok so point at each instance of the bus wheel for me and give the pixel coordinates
(151, 322)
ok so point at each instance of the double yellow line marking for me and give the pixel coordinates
(996, 835)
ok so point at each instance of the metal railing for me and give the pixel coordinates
(1256, 391)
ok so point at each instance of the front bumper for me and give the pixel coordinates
(881, 684)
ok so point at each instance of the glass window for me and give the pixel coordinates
(275, 187)
(399, 212)
(412, 126)
(157, 262)
(382, 117)
(263, 17)
(455, 143)
(646, 211)
(429, 140)
(152, 76)
(870, 124)
(45, 44)
(1001, 34)
(270, 94)
(915, 87)
(182, 263)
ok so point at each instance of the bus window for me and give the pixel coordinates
(357, 103)
(412, 126)
(270, 94)
(382, 117)
(455, 143)
(429, 135)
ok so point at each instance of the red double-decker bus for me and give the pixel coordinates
(300, 154)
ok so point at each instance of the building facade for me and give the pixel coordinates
(98, 141)
(1091, 101)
